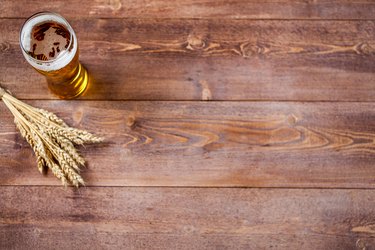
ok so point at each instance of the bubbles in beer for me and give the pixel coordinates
(50, 45)
(48, 40)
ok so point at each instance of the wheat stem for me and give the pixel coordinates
(51, 139)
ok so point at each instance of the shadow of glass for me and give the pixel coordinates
(97, 88)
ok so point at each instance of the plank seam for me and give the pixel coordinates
(204, 18)
(202, 187)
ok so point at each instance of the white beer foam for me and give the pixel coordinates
(63, 59)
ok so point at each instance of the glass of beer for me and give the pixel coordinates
(49, 44)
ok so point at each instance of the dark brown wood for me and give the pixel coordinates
(222, 9)
(170, 218)
(211, 60)
(226, 144)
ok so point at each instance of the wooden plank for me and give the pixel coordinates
(170, 218)
(226, 144)
(210, 60)
(238, 9)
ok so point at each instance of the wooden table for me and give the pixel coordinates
(229, 125)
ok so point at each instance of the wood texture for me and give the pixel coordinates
(173, 170)
(169, 218)
(220, 9)
(226, 144)
(157, 59)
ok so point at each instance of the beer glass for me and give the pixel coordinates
(49, 44)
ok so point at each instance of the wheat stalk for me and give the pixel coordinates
(51, 139)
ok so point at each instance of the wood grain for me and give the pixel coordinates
(170, 218)
(237, 9)
(224, 144)
(257, 167)
(175, 172)
(211, 60)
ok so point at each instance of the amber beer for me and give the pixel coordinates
(50, 45)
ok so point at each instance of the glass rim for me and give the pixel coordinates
(62, 21)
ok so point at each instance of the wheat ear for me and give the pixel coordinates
(51, 139)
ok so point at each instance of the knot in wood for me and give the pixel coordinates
(4, 46)
(249, 49)
(364, 49)
(131, 122)
(195, 43)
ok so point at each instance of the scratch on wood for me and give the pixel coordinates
(206, 93)
(77, 116)
(103, 5)
(292, 119)
(370, 229)
(8, 133)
